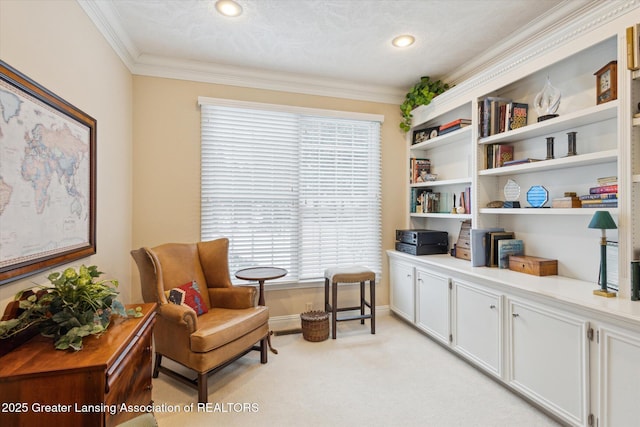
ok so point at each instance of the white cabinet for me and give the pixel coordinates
(477, 325)
(402, 296)
(549, 358)
(619, 378)
(432, 308)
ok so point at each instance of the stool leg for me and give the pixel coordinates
(326, 295)
(362, 302)
(334, 308)
(372, 301)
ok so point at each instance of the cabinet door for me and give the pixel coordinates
(477, 325)
(432, 311)
(549, 359)
(619, 386)
(402, 298)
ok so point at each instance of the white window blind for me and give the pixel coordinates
(291, 190)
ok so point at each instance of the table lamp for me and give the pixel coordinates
(602, 220)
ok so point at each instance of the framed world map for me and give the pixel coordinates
(47, 178)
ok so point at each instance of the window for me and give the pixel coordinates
(291, 187)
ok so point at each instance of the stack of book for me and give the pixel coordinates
(418, 169)
(498, 154)
(497, 115)
(454, 125)
(604, 195)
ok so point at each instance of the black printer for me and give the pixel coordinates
(422, 242)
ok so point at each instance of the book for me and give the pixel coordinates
(507, 247)
(607, 180)
(419, 168)
(502, 153)
(595, 201)
(479, 245)
(600, 205)
(491, 114)
(457, 122)
(599, 196)
(492, 246)
(489, 162)
(518, 116)
(452, 129)
(519, 161)
(604, 189)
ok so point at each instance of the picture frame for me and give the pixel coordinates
(47, 178)
(420, 135)
(607, 83)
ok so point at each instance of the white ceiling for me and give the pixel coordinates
(321, 43)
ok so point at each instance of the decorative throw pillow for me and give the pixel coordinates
(188, 295)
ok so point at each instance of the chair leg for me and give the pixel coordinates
(362, 302)
(334, 308)
(156, 367)
(263, 350)
(372, 301)
(203, 394)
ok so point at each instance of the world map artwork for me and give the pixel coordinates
(44, 179)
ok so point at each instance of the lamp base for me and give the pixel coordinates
(606, 294)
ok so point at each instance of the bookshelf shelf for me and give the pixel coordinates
(546, 211)
(444, 182)
(578, 118)
(599, 157)
(450, 138)
(441, 215)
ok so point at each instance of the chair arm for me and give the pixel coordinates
(235, 297)
(180, 315)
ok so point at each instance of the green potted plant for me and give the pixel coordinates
(420, 94)
(77, 305)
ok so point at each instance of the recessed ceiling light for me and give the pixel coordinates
(228, 8)
(403, 40)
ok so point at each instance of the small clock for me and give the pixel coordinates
(607, 83)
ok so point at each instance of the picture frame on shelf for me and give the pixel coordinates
(607, 83)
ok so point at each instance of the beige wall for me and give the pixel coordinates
(166, 172)
(55, 44)
(149, 142)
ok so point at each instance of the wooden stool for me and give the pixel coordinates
(352, 274)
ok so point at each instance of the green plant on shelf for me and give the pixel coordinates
(421, 93)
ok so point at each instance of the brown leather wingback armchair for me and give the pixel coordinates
(231, 328)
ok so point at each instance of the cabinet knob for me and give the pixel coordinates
(515, 315)
(492, 306)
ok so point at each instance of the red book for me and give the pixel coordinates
(604, 189)
(502, 153)
(454, 123)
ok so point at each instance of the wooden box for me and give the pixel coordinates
(533, 265)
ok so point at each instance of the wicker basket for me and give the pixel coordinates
(315, 325)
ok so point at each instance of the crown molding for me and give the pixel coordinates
(565, 22)
(155, 66)
(580, 22)
(105, 18)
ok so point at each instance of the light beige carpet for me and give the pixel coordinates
(398, 377)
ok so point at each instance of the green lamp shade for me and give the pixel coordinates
(602, 220)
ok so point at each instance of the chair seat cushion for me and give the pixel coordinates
(220, 326)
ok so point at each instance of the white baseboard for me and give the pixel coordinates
(292, 321)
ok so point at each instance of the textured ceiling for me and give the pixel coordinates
(342, 40)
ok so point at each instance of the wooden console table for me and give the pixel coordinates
(42, 386)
